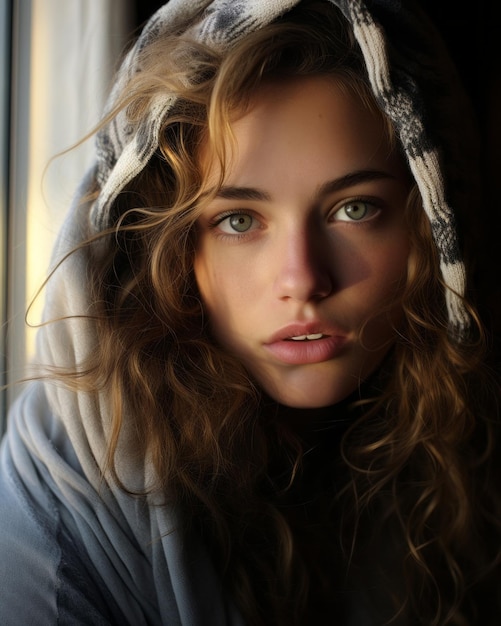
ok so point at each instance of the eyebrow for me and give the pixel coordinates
(232, 192)
(353, 178)
(242, 193)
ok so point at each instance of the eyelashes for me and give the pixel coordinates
(236, 222)
(241, 222)
(356, 210)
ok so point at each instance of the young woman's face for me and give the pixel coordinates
(302, 255)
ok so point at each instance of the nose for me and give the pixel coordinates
(303, 271)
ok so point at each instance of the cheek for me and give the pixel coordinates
(228, 278)
(208, 284)
(382, 296)
(389, 261)
(221, 288)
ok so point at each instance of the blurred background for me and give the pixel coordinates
(57, 58)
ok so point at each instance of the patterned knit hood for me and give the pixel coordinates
(406, 65)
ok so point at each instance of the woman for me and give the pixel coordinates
(263, 397)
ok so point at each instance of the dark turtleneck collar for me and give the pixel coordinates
(314, 425)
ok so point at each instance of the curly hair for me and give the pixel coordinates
(414, 466)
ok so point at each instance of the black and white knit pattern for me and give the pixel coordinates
(123, 151)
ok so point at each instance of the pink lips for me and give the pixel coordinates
(293, 352)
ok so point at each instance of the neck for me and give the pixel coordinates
(311, 424)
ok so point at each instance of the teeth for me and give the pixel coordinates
(307, 337)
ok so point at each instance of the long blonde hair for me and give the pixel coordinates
(416, 458)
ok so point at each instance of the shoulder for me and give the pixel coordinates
(46, 577)
(73, 550)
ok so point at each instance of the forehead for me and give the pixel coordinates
(307, 125)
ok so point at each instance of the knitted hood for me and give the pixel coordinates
(405, 65)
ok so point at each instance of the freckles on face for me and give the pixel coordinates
(302, 253)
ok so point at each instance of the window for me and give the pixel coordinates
(56, 62)
(5, 23)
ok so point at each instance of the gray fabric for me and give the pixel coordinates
(73, 548)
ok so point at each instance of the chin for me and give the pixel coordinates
(310, 398)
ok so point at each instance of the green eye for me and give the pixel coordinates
(240, 223)
(236, 223)
(356, 210)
